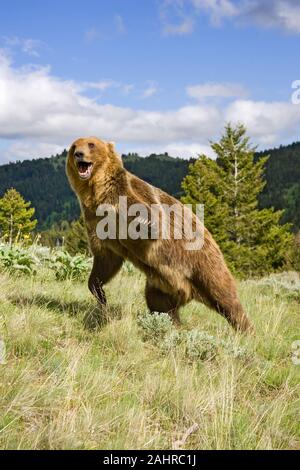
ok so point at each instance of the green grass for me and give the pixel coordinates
(119, 387)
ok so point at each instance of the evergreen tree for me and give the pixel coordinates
(252, 240)
(55, 236)
(203, 185)
(16, 223)
(71, 236)
(292, 203)
(76, 240)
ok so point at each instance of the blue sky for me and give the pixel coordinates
(150, 75)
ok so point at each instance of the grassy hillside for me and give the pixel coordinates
(121, 387)
(44, 183)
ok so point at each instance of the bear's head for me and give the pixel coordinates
(89, 155)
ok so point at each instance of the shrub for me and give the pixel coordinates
(238, 352)
(195, 345)
(69, 267)
(199, 345)
(171, 341)
(17, 260)
(41, 253)
(155, 326)
(285, 285)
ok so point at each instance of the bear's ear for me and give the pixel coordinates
(111, 146)
(112, 152)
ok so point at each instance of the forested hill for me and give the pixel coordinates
(162, 171)
(282, 190)
(44, 183)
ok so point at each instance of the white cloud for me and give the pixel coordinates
(175, 20)
(186, 26)
(178, 16)
(284, 14)
(36, 106)
(289, 16)
(215, 90)
(26, 148)
(216, 9)
(150, 90)
(100, 86)
(105, 85)
(40, 114)
(27, 45)
(268, 122)
(128, 88)
(175, 149)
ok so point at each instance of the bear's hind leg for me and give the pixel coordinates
(234, 314)
(158, 301)
(221, 295)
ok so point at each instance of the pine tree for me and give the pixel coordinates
(16, 223)
(202, 185)
(252, 240)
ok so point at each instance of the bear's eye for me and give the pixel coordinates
(91, 145)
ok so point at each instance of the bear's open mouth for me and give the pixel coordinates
(84, 169)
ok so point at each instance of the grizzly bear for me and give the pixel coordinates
(174, 274)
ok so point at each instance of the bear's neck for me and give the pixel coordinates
(104, 187)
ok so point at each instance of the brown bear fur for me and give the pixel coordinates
(175, 275)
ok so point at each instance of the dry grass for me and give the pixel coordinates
(63, 387)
